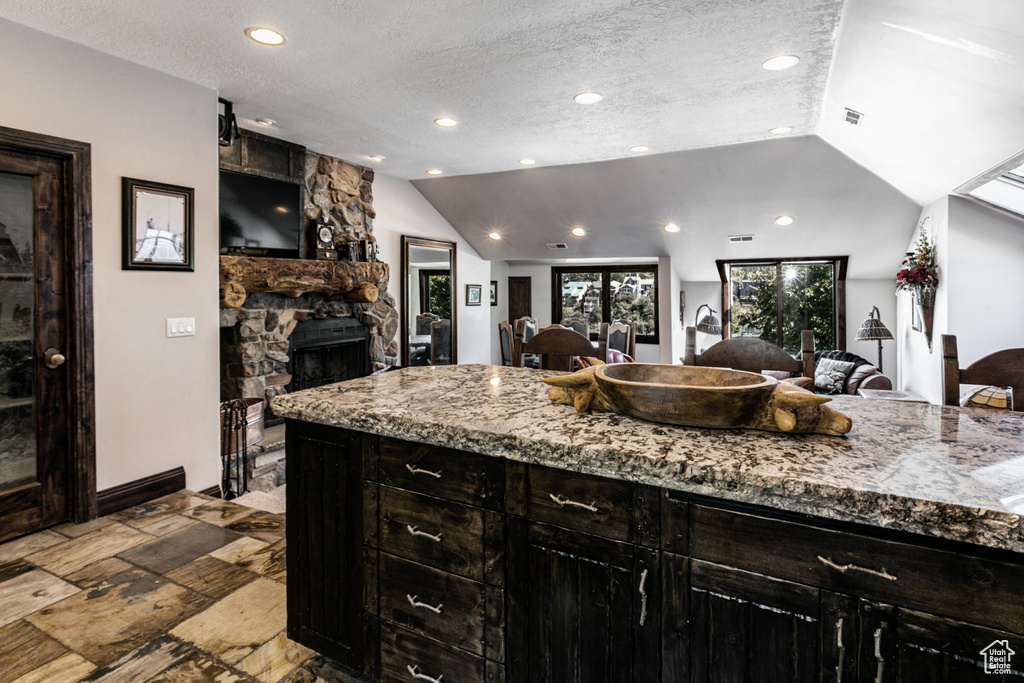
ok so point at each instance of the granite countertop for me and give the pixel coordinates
(945, 472)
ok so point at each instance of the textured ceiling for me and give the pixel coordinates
(839, 206)
(366, 77)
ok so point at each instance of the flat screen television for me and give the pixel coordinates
(259, 216)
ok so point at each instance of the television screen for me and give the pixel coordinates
(260, 213)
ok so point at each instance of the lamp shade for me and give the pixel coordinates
(872, 328)
(709, 324)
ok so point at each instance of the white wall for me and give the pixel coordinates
(402, 210)
(698, 294)
(499, 272)
(920, 368)
(986, 280)
(156, 398)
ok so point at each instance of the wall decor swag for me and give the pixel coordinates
(158, 226)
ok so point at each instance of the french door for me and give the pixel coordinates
(47, 452)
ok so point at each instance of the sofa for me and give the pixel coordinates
(863, 376)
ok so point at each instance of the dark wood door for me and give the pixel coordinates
(46, 452)
(520, 297)
(594, 608)
(745, 627)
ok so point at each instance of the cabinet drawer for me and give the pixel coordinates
(406, 657)
(434, 603)
(977, 589)
(442, 472)
(434, 532)
(594, 505)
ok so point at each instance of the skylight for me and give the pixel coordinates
(1002, 187)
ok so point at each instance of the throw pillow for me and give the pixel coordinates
(830, 376)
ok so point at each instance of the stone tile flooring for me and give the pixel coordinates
(184, 588)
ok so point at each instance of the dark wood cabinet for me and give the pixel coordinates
(325, 560)
(415, 562)
(593, 609)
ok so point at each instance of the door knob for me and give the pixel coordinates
(53, 358)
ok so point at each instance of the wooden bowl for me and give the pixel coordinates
(686, 394)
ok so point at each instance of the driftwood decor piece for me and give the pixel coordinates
(698, 397)
(358, 282)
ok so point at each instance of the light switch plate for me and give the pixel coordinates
(181, 327)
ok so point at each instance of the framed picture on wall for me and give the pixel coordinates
(474, 294)
(157, 224)
(494, 292)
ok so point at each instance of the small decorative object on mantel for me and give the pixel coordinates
(919, 275)
(157, 220)
(698, 397)
(474, 294)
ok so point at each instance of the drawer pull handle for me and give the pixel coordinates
(843, 568)
(416, 470)
(562, 502)
(842, 651)
(643, 597)
(417, 676)
(415, 531)
(414, 601)
(880, 669)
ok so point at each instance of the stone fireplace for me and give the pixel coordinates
(288, 324)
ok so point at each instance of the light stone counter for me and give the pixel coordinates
(945, 472)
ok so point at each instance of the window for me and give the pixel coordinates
(776, 299)
(604, 294)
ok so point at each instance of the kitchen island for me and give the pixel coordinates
(453, 522)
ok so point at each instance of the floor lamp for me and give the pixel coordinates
(872, 329)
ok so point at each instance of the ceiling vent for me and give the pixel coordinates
(558, 245)
(853, 117)
(741, 238)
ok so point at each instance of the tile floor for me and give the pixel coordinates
(184, 588)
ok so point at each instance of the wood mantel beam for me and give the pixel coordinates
(358, 282)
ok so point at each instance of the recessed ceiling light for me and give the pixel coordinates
(446, 122)
(494, 236)
(527, 162)
(781, 130)
(780, 62)
(434, 171)
(266, 122)
(588, 98)
(265, 36)
(578, 231)
(377, 157)
(671, 227)
(639, 149)
(784, 220)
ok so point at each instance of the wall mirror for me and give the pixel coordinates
(428, 302)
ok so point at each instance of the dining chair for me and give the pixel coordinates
(506, 342)
(1002, 369)
(630, 349)
(424, 321)
(524, 328)
(578, 324)
(751, 354)
(441, 342)
(557, 347)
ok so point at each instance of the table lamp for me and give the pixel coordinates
(709, 324)
(872, 329)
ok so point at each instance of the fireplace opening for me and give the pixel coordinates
(324, 352)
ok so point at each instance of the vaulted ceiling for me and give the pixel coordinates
(940, 84)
